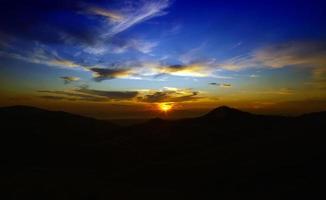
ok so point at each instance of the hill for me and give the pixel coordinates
(226, 153)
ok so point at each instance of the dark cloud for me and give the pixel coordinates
(170, 69)
(221, 84)
(89, 95)
(113, 95)
(69, 95)
(192, 97)
(170, 96)
(50, 97)
(107, 74)
(194, 69)
(69, 79)
(176, 68)
(156, 97)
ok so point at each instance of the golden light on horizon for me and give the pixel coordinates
(165, 107)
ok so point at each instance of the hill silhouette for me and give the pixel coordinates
(226, 153)
(225, 112)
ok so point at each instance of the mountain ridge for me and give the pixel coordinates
(217, 113)
(207, 154)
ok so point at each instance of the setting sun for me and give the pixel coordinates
(165, 107)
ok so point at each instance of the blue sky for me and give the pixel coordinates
(251, 54)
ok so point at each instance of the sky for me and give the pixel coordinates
(131, 59)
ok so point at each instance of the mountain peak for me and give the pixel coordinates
(225, 111)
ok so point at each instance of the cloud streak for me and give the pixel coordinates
(170, 95)
(86, 94)
(192, 70)
(101, 74)
(113, 95)
(303, 54)
(41, 56)
(69, 79)
(223, 85)
(128, 17)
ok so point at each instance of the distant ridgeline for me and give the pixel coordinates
(225, 153)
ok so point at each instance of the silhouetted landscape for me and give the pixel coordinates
(225, 153)
(162, 99)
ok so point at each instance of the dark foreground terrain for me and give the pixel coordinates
(225, 154)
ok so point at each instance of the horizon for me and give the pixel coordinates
(163, 58)
(155, 115)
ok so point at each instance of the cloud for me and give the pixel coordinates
(119, 46)
(124, 19)
(254, 76)
(224, 85)
(310, 54)
(170, 95)
(87, 29)
(143, 46)
(111, 16)
(50, 97)
(41, 55)
(101, 74)
(70, 95)
(152, 70)
(191, 55)
(192, 70)
(113, 95)
(303, 54)
(69, 79)
(86, 94)
(139, 45)
(236, 45)
(318, 79)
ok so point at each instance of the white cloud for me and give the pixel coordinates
(307, 54)
(40, 56)
(121, 20)
(139, 45)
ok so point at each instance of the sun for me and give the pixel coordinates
(165, 107)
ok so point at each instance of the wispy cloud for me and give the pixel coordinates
(170, 95)
(154, 70)
(86, 94)
(119, 21)
(310, 54)
(40, 56)
(56, 98)
(71, 95)
(139, 45)
(69, 79)
(111, 16)
(254, 76)
(113, 95)
(303, 54)
(192, 70)
(167, 94)
(101, 74)
(94, 31)
(191, 55)
(223, 85)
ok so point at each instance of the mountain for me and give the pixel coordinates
(226, 153)
(55, 124)
(225, 112)
(36, 137)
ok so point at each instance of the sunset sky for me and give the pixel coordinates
(128, 59)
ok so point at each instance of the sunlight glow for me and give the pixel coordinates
(165, 107)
